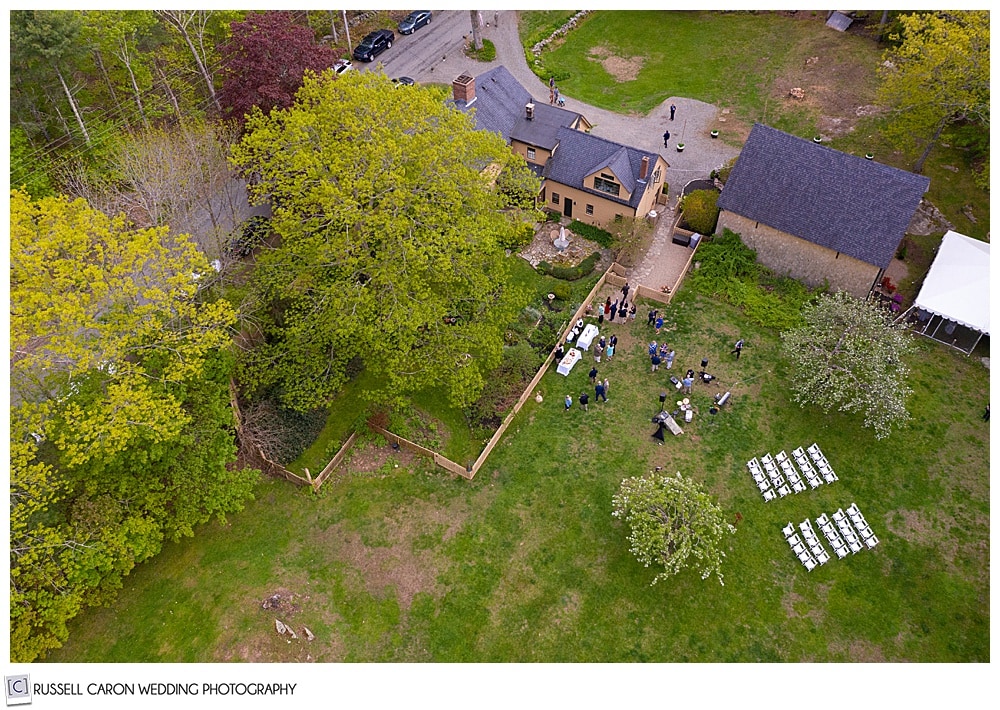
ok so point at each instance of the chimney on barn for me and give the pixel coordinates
(464, 89)
(644, 168)
(529, 110)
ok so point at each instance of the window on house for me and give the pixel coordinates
(656, 176)
(619, 218)
(531, 153)
(590, 209)
(555, 198)
(607, 186)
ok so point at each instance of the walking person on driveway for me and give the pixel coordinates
(672, 109)
(625, 289)
(666, 137)
(614, 310)
(737, 348)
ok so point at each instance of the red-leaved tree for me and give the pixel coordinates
(264, 60)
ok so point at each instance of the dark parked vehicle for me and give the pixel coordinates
(414, 21)
(404, 81)
(373, 45)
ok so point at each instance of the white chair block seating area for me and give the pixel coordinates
(799, 549)
(822, 464)
(808, 470)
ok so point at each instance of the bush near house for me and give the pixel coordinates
(594, 234)
(700, 213)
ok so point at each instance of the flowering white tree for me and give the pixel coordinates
(849, 355)
(672, 522)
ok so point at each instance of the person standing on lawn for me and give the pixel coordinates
(625, 290)
(670, 358)
(610, 351)
(607, 387)
(568, 402)
(652, 348)
(659, 324)
(631, 313)
(593, 374)
(737, 348)
(687, 382)
(584, 399)
(655, 361)
(614, 310)
(599, 392)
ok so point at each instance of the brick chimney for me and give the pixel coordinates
(529, 110)
(644, 168)
(464, 89)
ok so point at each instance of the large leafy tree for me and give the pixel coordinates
(264, 61)
(850, 356)
(121, 428)
(672, 523)
(391, 224)
(938, 75)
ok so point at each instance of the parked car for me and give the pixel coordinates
(373, 45)
(404, 81)
(342, 65)
(414, 21)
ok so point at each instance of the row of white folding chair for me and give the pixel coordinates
(847, 530)
(800, 550)
(763, 484)
(836, 541)
(788, 468)
(772, 470)
(805, 465)
(822, 464)
(864, 529)
(811, 539)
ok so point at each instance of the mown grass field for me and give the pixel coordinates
(525, 563)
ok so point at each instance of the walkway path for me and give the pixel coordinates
(692, 124)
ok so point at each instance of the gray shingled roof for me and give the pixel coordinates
(499, 107)
(855, 206)
(582, 154)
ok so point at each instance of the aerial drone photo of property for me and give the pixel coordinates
(450, 336)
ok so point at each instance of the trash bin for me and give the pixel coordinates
(694, 240)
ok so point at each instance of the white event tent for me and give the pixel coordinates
(953, 306)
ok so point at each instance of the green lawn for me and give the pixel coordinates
(525, 562)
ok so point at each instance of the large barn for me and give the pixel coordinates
(817, 214)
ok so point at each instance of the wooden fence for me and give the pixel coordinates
(440, 460)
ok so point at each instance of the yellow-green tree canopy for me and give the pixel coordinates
(938, 75)
(392, 230)
(121, 432)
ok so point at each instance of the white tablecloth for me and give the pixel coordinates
(570, 359)
(587, 336)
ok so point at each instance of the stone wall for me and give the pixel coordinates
(801, 259)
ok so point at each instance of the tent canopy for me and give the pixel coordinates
(957, 287)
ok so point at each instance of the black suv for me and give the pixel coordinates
(414, 21)
(373, 45)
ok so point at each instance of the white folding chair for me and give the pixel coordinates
(784, 490)
(855, 546)
(781, 456)
(852, 509)
(789, 530)
(810, 564)
(823, 557)
(798, 486)
(763, 486)
(799, 549)
(838, 515)
(871, 542)
(768, 495)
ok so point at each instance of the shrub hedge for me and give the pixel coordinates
(570, 273)
(594, 234)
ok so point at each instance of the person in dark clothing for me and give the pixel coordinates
(672, 109)
(652, 316)
(599, 392)
(986, 414)
(666, 137)
(593, 375)
(737, 348)
(584, 399)
(625, 290)
(614, 310)
(560, 353)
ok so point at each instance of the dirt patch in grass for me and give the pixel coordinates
(372, 459)
(620, 68)
(399, 566)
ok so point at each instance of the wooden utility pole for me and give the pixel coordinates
(347, 29)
